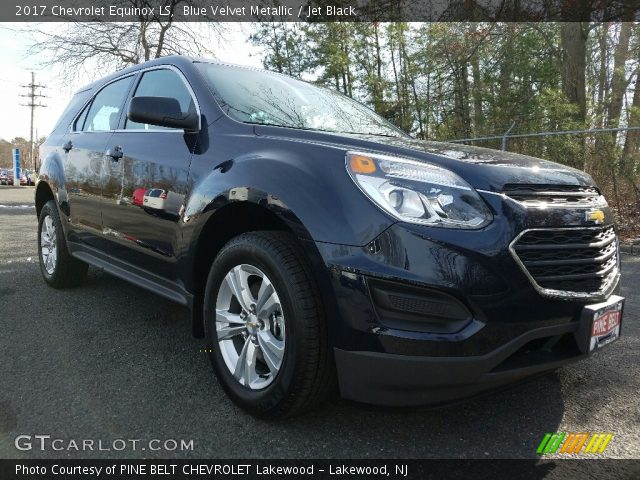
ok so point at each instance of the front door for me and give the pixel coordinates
(146, 188)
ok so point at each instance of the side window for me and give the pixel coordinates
(77, 126)
(162, 83)
(104, 112)
(78, 100)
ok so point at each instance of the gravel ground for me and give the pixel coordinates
(109, 361)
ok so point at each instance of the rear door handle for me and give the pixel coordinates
(67, 146)
(115, 153)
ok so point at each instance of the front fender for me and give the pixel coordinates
(310, 190)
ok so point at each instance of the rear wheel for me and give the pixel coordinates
(58, 267)
(265, 326)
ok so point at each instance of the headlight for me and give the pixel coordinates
(418, 192)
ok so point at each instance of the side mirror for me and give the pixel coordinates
(162, 111)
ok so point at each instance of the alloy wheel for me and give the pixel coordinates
(48, 245)
(250, 326)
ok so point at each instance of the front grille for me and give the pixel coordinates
(543, 196)
(569, 262)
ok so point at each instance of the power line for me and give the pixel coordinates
(32, 96)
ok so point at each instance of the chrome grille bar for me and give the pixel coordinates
(579, 262)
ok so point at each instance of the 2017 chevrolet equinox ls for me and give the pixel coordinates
(317, 245)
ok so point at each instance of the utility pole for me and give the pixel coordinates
(32, 96)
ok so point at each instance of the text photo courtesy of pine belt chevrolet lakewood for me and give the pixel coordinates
(318, 247)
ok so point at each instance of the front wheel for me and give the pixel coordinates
(266, 327)
(58, 267)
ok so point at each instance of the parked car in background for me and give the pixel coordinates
(155, 198)
(27, 177)
(315, 243)
(138, 197)
(162, 200)
(3, 177)
(9, 177)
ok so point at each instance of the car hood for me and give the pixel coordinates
(482, 168)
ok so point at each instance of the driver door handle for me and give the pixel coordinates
(115, 153)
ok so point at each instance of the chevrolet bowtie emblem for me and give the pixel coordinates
(595, 216)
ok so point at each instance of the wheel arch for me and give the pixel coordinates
(43, 194)
(51, 184)
(237, 218)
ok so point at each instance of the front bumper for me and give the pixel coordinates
(403, 380)
(512, 331)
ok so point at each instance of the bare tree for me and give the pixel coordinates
(573, 42)
(619, 81)
(95, 47)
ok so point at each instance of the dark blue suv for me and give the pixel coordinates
(319, 247)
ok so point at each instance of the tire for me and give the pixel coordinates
(290, 368)
(58, 267)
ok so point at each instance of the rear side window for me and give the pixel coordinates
(104, 112)
(72, 108)
(79, 123)
(162, 83)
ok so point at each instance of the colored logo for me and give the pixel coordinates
(595, 216)
(573, 443)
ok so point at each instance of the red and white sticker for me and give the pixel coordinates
(605, 328)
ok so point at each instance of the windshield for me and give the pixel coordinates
(254, 96)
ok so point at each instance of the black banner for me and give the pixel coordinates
(319, 469)
(319, 10)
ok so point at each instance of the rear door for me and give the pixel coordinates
(84, 149)
(157, 160)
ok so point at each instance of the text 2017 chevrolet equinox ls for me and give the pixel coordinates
(316, 245)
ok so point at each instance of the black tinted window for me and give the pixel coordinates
(162, 83)
(105, 109)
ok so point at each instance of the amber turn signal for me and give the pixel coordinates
(362, 164)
